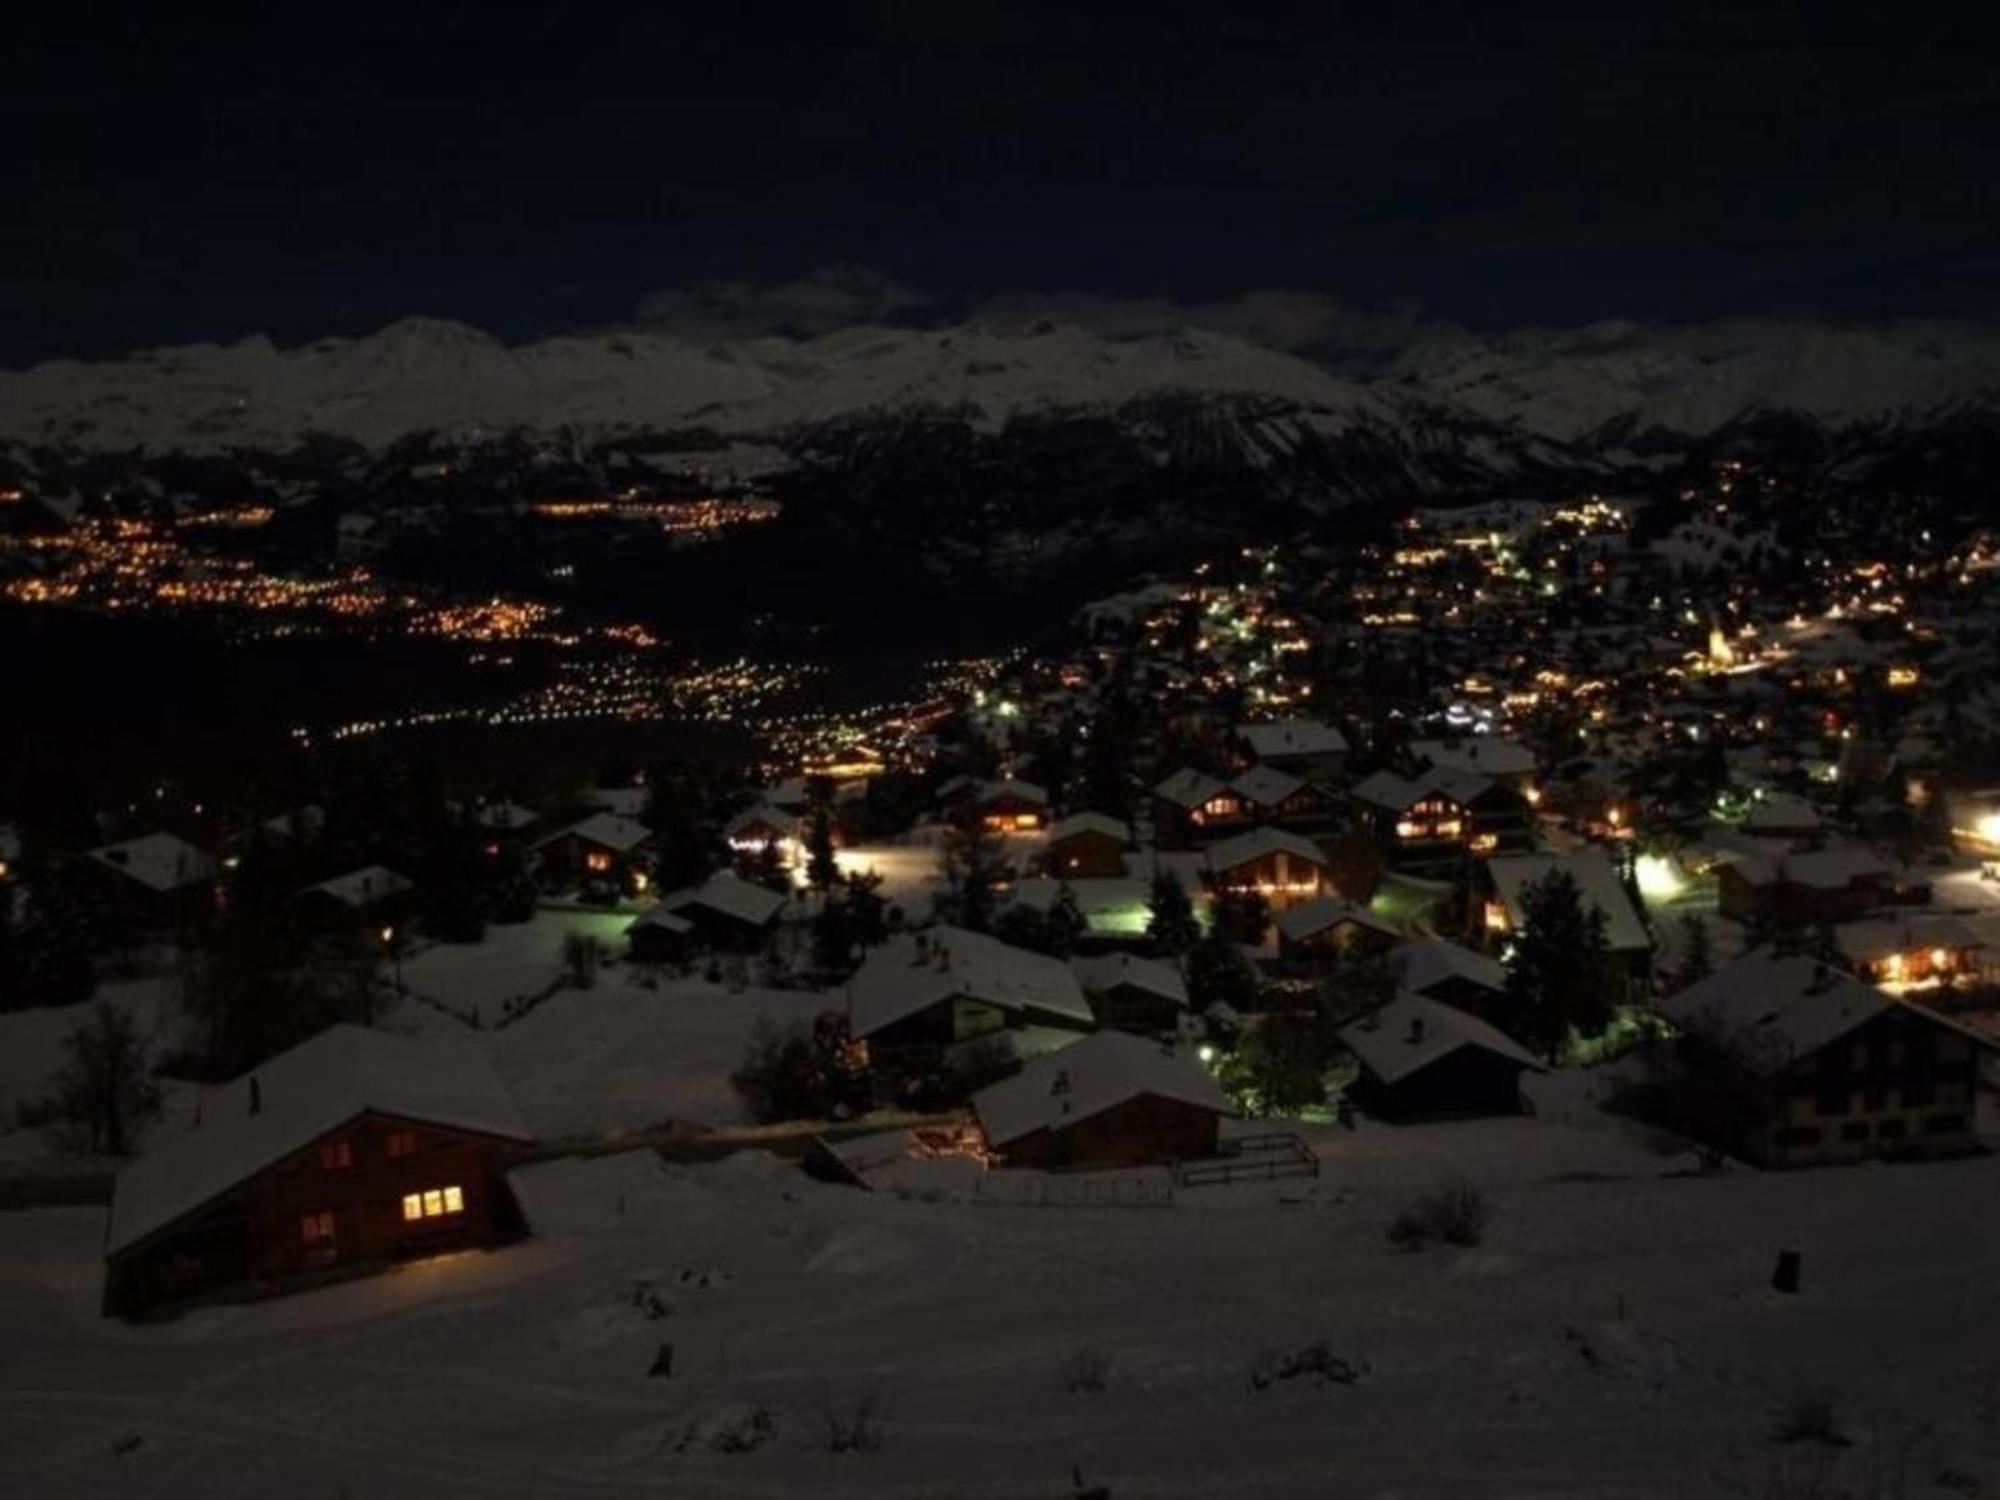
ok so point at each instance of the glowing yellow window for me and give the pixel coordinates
(433, 1203)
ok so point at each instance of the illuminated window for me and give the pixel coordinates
(403, 1143)
(597, 860)
(432, 1203)
(1027, 820)
(336, 1156)
(316, 1229)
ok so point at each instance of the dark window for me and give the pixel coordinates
(1891, 1130)
(1797, 1135)
(1944, 1125)
(316, 1232)
(1854, 1130)
(336, 1156)
(402, 1143)
(1832, 1099)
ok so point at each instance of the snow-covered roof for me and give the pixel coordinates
(1011, 787)
(610, 830)
(1872, 937)
(1301, 922)
(357, 888)
(730, 895)
(1776, 1009)
(1188, 788)
(1386, 789)
(302, 1095)
(1265, 786)
(1090, 822)
(1428, 961)
(1478, 755)
(1288, 737)
(763, 815)
(1107, 971)
(159, 861)
(1828, 869)
(625, 801)
(657, 916)
(915, 970)
(1783, 812)
(1083, 1080)
(1413, 1031)
(503, 817)
(1259, 842)
(1597, 883)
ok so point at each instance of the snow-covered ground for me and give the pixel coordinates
(1614, 1335)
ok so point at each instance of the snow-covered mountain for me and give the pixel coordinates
(1022, 406)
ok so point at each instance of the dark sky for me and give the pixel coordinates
(320, 171)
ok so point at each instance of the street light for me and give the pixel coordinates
(395, 955)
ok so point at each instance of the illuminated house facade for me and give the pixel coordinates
(1088, 846)
(1284, 868)
(1913, 952)
(1500, 886)
(1842, 1070)
(1437, 819)
(605, 847)
(1321, 932)
(1005, 806)
(1191, 805)
(353, 1150)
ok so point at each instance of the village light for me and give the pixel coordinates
(1658, 879)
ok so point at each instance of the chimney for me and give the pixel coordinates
(256, 1096)
(1060, 1083)
(1416, 1030)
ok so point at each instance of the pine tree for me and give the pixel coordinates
(1171, 923)
(867, 912)
(822, 870)
(1558, 973)
(973, 869)
(1065, 923)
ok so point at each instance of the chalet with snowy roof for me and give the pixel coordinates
(1271, 795)
(374, 893)
(945, 986)
(350, 1151)
(1131, 993)
(606, 848)
(154, 881)
(620, 801)
(725, 913)
(1506, 761)
(1461, 977)
(1911, 950)
(1004, 806)
(1841, 1071)
(1088, 845)
(1501, 884)
(1285, 868)
(1323, 932)
(762, 827)
(1423, 1059)
(1192, 804)
(1110, 1100)
(1783, 815)
(1840, 883)
(1306, 748)
(1433, 820)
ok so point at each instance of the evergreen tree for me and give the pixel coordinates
(1242, 916)
(1697, 954)
(1278, 1067)
(867, 912)
(833, 935)
(1218, 974)
(1171, 921)
(1558, 971)
(1065, 923)
(821, 868)
(974, 867)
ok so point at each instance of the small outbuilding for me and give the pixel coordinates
(1421, 1059)
(1110, 1100)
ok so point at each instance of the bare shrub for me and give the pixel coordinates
(1086, 1371)
(1811, 1416)
(1316, 1362)
(858, 1427)
(1455, 1214)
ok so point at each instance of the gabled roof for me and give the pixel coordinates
(1412, 1032)
(1083, 1080)
(1872, 937)
(625, 801)
(357, 888)
(729, 895)
(1784, 812)
(1266, 786)
(1188, 788)
(304, 1094)
(915, 970)
(1108, 971)
(1259, 842)
(504, 817)
(1090, 822)
(611, 830)
(1314, 917)
(1432, 960)
(1478, 755)
(1780, 1008)
(1597, 884)
(159, 861)
(1386, 789)
(763, 814)
(1011, 786)
(1283, 737)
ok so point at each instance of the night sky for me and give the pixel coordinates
(319, 171)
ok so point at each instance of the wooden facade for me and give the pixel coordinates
(1087, 854)
(1141, 1131)
(376, 1190)
(1283, 879)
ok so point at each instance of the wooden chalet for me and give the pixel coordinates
(373, 895)
(1843, 1070)
(945, 986)
(1192, 804)
(1110, 1100)
(352, 1150)
(1131, 993)
(1323, 932)
(1423, 1059)
(607, 848)
(1837, 884)
(1497, 909)
(1305, 748)
(1088, 846)
(154, 882)
(1911, 950)
(1460, 977)
(725, 914)
(1284, 868)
